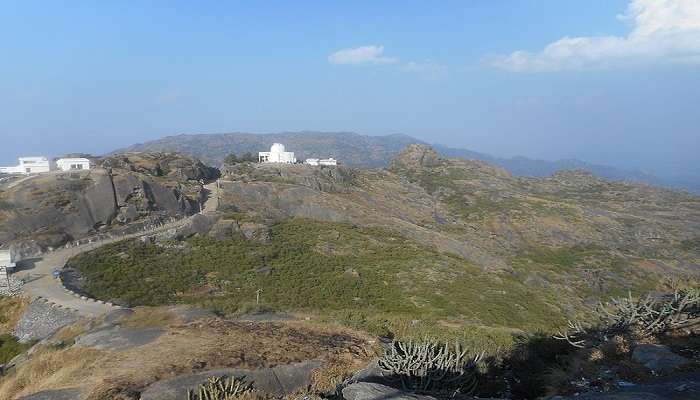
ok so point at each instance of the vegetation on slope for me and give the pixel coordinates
(367, 277)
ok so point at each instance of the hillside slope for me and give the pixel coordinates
(455, 244)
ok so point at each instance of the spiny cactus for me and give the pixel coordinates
(220, 388)
(646, 316)
(431, 365)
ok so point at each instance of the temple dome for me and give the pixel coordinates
(277, 148)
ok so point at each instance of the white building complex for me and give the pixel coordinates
(277, 154)
(321, 161)
(72, 164)
(40, 165)
(29, 165)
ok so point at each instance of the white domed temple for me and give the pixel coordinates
(277, 154)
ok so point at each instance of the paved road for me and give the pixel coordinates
(39, 280)
(212, 203)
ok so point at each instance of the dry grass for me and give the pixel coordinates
(184, 348)
(151, 317)
(68, 333)
(11, 309)
(50, 369)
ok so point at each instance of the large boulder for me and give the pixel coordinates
(376, 391)
(658, 358)
(280, 381)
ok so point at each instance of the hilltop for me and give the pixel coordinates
(375, 151)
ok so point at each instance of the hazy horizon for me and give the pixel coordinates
(610, 82)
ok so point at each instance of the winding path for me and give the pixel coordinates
(40, 282)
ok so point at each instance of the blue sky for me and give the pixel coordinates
(493, 76)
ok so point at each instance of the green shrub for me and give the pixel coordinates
(10, 347)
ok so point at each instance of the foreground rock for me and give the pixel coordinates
(376, 391)
(118, 338)
(280, 381)
(658, 358)
(60, 394)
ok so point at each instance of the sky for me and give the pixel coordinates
(607, 81)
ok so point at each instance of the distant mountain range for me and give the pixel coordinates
(375, 151)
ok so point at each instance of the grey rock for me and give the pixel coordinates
(658, 358)
(371, 373)
(60, 394)
(376, 391)
(118, 338)
(195, 225)
(278, 381)
(117, 315)
(41, 321)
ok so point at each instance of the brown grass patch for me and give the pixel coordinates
(11, 310)
(151, 317)
(50, 369)
(185, 348)
(67, 334)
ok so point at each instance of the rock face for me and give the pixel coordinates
(376, 391)
(119, 339)
(658, 358)
(173, 165)
(48, 210)
(330, 179)
(60, 394)
(416, 156)
(41, 320)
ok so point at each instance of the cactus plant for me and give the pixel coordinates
(220, 388)
(430, 365)
(647, 316)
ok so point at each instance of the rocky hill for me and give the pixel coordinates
(302, 275)
(43, 211)
(377, 151)
(452, 242)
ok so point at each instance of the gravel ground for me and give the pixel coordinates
(41, 320)
(15, 287)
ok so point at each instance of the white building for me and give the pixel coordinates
(7, 264)
(7, 260)
(277, 154)
(73, 164)
(321, 161)
(29, 165)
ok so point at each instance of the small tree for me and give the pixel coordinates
(231, 159)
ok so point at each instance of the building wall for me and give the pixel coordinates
(286, 157)
(73, 164)
(6, 260)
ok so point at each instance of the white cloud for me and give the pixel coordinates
(663, 32)
(427, 70)
(361, 55)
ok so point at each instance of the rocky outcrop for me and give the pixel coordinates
(172, 165)
(376, 391)
(416, 156)
(49, 210)
(658, 358)
(330, 179)
(280, 381)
